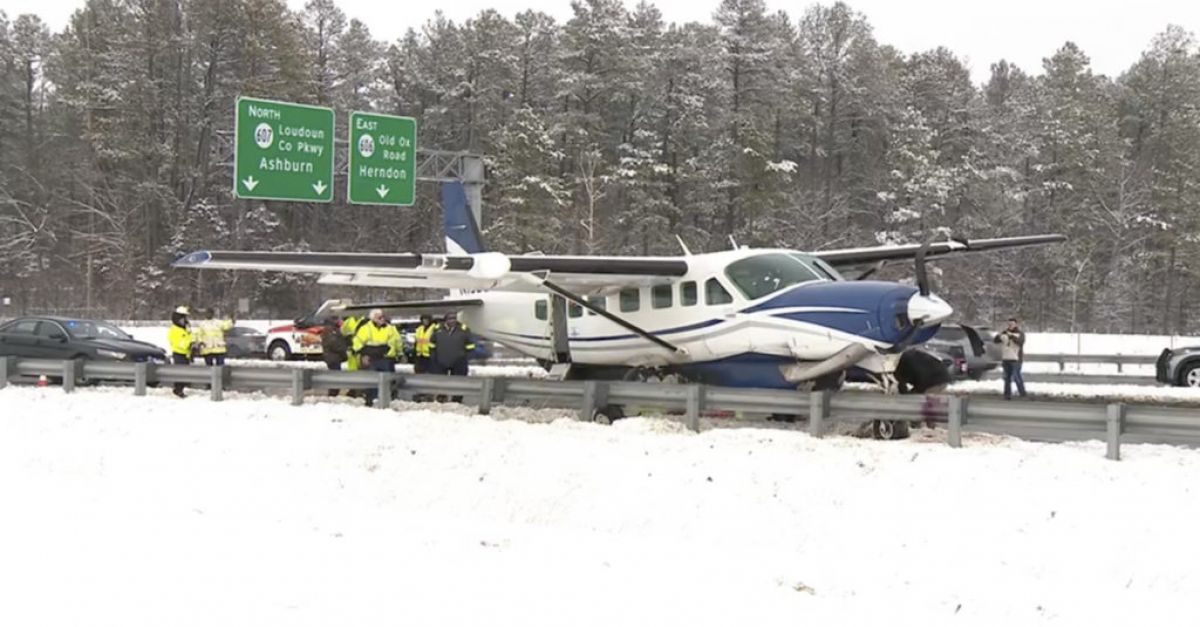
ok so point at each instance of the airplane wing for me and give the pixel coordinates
(862, 256)
(585, 275)
(412, 307)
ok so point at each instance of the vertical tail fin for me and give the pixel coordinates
(458, 222)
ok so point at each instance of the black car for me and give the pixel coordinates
(71, 338)
(971, 348)
(245, 342)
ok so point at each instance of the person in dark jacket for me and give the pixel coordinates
(334, 347)
(450, 347)
(1012, 354)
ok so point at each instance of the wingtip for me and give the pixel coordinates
(198, 258)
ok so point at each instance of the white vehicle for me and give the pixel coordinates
(299, 340)
(745, 317)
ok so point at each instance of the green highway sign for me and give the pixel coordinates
(383, 163)
(283, 151)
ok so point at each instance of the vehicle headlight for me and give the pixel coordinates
(110, 354)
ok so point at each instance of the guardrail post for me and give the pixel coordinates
(301, 381)
(1119, 364)
(217, 376)
(486, 388)
(695, 400)
(4, 368)
(588, 405)
(956, 415)
(1116, 416)
(818, 412)
(385, 390)
(140, 370)
(1062, 364)
(70, 374)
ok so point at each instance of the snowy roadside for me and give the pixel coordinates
(149, 511)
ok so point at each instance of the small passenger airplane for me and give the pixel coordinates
(747, 317)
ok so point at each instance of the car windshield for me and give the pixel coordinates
(95, 329)
(768, 273)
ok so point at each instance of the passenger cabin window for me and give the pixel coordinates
(768, 273)
(660, 296)
(599, 302)
(574, 310)
(687, 293)
(715, 293)
(541, 309)
(24, 327)
(631, 299)
(48, 329)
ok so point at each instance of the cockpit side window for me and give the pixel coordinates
(768, 273)
(715, 293)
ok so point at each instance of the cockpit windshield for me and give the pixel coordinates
(768, 273)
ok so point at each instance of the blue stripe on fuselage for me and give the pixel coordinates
(877, 303)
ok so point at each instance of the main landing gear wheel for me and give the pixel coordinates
(890, 429)
(608, 414)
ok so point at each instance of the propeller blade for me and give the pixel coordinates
(922, 275)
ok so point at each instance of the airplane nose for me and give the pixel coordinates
(928, 310)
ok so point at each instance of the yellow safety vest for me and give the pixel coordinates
(424, 339)
(371, 335)
(180, 339)
(211, 335)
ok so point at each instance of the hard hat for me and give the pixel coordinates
(182, 310)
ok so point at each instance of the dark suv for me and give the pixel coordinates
(972, 348)
(1180, 366)
(70, 338)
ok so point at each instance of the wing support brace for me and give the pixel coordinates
(558, 290)
(852, 354)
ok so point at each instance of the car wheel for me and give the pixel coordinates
(975, 375)
(1190, 377)
(279, 351)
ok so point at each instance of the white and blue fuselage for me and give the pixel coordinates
(738, 317)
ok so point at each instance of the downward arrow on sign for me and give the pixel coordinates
(250, 183)
(319, 188)
(382, 191)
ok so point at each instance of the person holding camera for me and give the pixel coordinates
(1012, 353)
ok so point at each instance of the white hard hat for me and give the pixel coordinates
(182, 310)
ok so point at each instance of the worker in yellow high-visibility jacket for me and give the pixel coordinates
(377, 343)
(211, 335)
(423, 343)
(349, 328)
(181, 341)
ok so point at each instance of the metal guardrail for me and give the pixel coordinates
(1120, 360)
(1115, 423)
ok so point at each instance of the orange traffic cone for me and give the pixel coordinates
(42, 381)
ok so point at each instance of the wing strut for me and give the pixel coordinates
(582, 302)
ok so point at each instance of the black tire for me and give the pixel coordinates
(608, 414)
(279, 351)
(975, 375)
(890, 429)
(1189, 375)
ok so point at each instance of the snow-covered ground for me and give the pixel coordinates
(155, 511)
